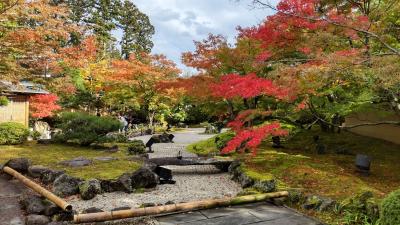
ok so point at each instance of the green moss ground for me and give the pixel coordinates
(204, 147)
(332, 175)
(51, 155)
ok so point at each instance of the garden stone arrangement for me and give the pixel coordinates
(198, 180)
(191, 178)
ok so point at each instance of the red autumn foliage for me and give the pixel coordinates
(79, 56)
(198, 86)
(43, 105)
(251, 138)
(248, 86)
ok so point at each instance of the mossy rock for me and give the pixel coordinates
(89, 189)
(390, 209)
(296, 196)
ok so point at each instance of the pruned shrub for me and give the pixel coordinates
(136, 147)
(3, 101)
(222, 139)
(85, 129)
(390, 209)
(117, 137)
(12, 133)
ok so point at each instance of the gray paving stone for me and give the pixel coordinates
(239, 218)
(181, 218)
(219, 212)
(257, 213)
(10, 212)
(288, 221)
(271, 214)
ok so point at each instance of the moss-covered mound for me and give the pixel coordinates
(390, 210)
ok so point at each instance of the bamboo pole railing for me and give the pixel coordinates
(39, 189)
(156, 210)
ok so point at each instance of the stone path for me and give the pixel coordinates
(10, 191)
(258, 213)
(254, 214)
(188, 136)
(170, 150)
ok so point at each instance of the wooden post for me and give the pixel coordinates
(39, 189)
(156, 210)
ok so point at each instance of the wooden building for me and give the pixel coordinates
(17, 109)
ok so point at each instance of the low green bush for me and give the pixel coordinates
(222, 139)
(390, 209)
(3, 101)
(118, 138)
(35, 135)
(12, 133)
(362, 208)
(85, 129)
(136, 147)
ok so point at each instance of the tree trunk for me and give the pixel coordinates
(151, 118)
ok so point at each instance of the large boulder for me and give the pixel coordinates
(43, 128)
(125, 182)
(37, 220)
(66, 185)
(89, 189)
(144, 178)
(318, 203)
(37, 171)
(32, 204)
(238, 175)
(211, 129)
(110, 185)
(19, 164)
(51, 208)
(49, 176)
(161, 138)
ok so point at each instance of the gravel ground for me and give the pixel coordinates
(188, 187)
(196, 182)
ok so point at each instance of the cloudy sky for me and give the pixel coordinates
(179, 22)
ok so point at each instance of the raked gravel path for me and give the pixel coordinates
(192, 182)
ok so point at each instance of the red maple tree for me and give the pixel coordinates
(43, 105)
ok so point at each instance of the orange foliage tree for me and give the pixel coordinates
(33, 32)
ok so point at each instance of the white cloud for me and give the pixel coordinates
(179, 22)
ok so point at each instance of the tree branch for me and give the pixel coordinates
(325, 19)
(315, 113)
(8, 7)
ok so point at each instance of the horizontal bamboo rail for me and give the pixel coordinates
(39, 189)
(156, 210)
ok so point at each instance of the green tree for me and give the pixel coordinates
(137, 30)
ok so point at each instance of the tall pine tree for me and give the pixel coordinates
(137, 30)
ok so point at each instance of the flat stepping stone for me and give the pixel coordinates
(10, 212)
(105, 158)
(170, 150)
(257, 213)
(194, 169)
(77, 162)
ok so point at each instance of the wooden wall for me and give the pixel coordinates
(17, 110)
(386, 132)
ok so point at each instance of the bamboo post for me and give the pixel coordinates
(156, 210)
(39, 189)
